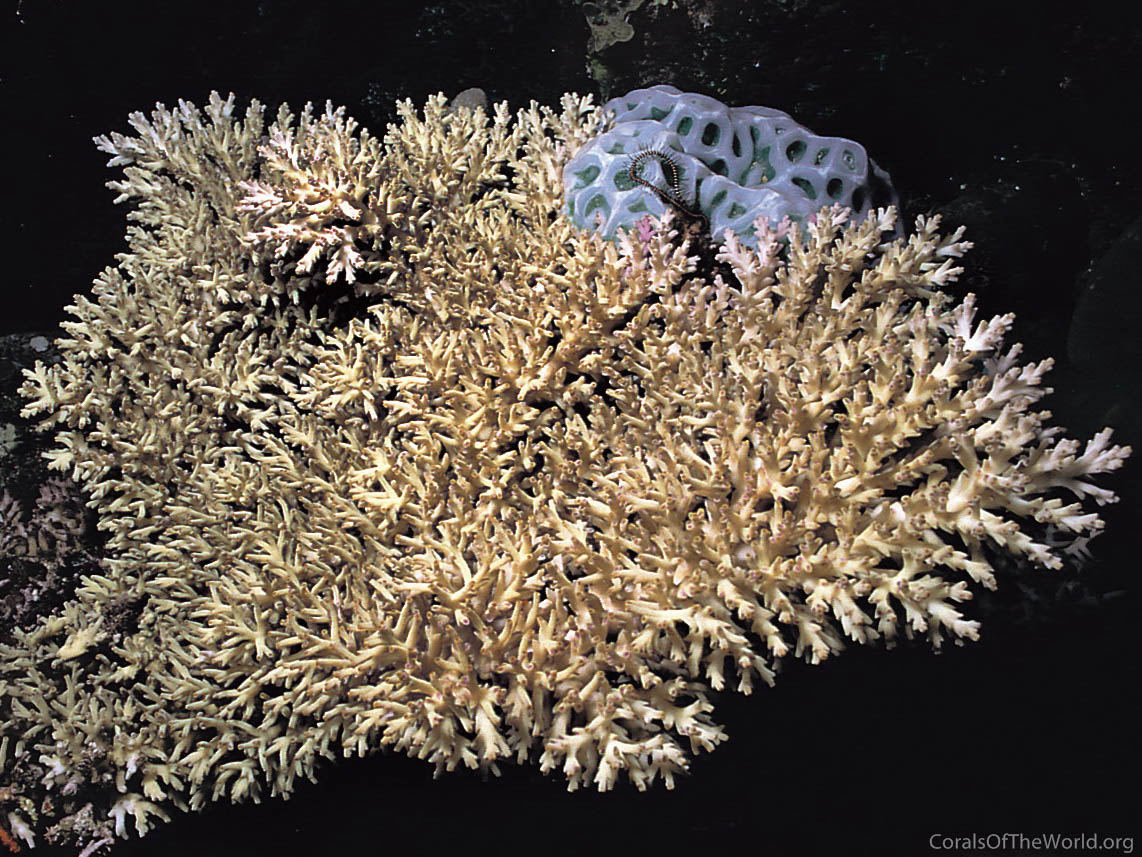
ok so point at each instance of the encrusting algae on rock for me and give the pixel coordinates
(389, 454)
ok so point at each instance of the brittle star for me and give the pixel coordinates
(672, 195)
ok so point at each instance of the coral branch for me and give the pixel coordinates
(389, 454)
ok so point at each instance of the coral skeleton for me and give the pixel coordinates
(388, 453)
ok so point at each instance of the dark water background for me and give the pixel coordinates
(1020, 119)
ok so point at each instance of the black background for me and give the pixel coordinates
(1020, 119)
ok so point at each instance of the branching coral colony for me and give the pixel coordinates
(389, 453)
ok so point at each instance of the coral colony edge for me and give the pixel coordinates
(388, 451)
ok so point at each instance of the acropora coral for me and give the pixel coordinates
(387, 453)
